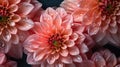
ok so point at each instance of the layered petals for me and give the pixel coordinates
(55, 41)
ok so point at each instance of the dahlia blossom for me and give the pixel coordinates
(101, 17)
(12, 12)
(13, 18)
(102, 58)
(56, 41)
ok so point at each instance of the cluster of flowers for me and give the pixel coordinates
(62, 36)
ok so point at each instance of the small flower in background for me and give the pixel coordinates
(57, 41)
(102, 58)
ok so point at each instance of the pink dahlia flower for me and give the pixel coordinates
(57, 42)
(13, 18)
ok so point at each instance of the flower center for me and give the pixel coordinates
(4, 15)
(55, 41)
(107, 6)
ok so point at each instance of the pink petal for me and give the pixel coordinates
(59, 64)
(14, 1)
(70, 43)
(99, 36)
(2, 58)
(12, 23)
(93, 30)
(36, 9)
(42, 29)
(84, 48)
(51, 12)
(64, 52)
(61, 12)
(99, 60)
(57, 22)
(77, 58)
(30, 59)
(6, 35)
(39, 55)
(51, 60)
(78, 28)
(25, 8)
(25, 24)
(15, 18)
(66, 60)
(74, 50)
(67, 22)
(46, 18)
(112, 60)
(74, 36)
(79, 15)
(13, 8)
(13, 30)
(113, 30)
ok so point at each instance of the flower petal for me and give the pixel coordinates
(66, 60)
(79, 14)
(46, 18)
(38, 56)
(64, 52)
(70, 43)
(6, 35)
(2, 58)
(14, 1)
(98, 59)
(24, 8)
(51, 60)
(13, 8)
(25, 24)
(61, 12)
(74, 50)
(12, 30)
(15, 18)
(77, 58)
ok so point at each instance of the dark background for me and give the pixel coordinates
(55, 3)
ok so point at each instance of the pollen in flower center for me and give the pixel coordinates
(55, 41)
(4, 15)
(107, 6)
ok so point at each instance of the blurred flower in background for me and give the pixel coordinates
(100, 17)
(4, 62)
